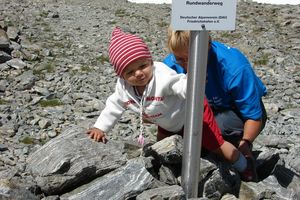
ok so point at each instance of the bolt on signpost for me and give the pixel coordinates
(198, 16)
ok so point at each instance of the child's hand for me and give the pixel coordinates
(97, 134)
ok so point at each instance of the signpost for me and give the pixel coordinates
(198, 16)
(213, 14)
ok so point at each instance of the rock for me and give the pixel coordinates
(169, 150)
(4, 40)
(25, 81)
(287, 180)
(72, 159)
(4, 57)
(167, 175)
(219, 183)
(16, 63)
(8, 191)
(3, 147)
(167, 192)
(270, 189)
(229, 197)
(124, 183)
(13, 33)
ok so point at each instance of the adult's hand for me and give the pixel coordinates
(252, 129)
(245, 149)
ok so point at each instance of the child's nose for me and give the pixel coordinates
(138, 73)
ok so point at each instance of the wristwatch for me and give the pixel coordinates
(248, 142)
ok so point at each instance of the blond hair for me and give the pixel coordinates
(178, 40)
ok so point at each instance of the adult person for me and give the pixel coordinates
(232, 88)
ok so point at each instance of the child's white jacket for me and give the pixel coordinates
(163, 101)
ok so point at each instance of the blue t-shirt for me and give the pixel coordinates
(231, 81)
(170, 60)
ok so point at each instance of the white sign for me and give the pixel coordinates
(197, 14)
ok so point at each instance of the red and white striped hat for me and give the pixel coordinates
(124, 49)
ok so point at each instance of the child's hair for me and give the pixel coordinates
(178, 40)
(125, 49)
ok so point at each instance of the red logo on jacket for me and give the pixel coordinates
(127, 103)
(153, 98)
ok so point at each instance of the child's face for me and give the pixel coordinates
(139, 72)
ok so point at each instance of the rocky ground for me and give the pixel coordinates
(54, 69)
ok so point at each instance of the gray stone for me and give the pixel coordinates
(220, 182)
(25, 81)
(4, 40)
(268, 189)
(167, 176)
(124, 183)
(173, 192)
(13, 33)
(4, 57)
(73, 158)
(44, 123)
(16, 63)
(169, 150)
(289, 180)
(54, 197)
(266, 161)
(207, 166)
(229, 197)
(3, 147)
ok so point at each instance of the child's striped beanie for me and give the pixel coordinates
(124, 49)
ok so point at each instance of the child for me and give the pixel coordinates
(157, 93)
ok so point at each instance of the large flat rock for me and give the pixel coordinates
(72, 159)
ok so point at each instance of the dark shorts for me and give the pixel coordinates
(232, 124)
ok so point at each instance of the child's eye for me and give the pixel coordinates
(129, 72)
(143, 66)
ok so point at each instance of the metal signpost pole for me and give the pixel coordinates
(198, 51)
(198, 17)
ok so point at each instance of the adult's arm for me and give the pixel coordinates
(247, 99)
(252, 129)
